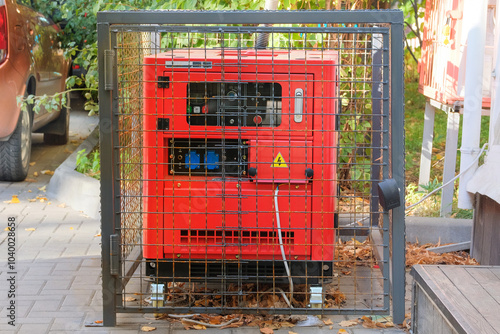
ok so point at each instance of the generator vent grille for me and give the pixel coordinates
(235, 237)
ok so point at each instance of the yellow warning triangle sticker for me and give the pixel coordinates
(279, 161)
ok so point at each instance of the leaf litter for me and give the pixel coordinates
(348, 254)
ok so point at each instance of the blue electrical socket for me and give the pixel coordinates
(192, 160)
(212, 160)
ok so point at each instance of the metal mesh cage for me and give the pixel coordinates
(242, 177)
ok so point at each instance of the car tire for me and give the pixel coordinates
(16, 151)
(63, 119)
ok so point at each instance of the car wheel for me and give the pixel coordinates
(16, 151)
(63, 120)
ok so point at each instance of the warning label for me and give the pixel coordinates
(279, 161)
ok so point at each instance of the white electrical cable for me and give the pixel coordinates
(281, 241)
(447, 183)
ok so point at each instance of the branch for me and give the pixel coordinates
(417, 33)
(415, 13)
(409, 50)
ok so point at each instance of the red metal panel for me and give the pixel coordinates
(280, 161)
(196, 216)
(239, 214)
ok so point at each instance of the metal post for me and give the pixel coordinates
(107, 193)
(376, 124)
(426, 154)
(398, 168)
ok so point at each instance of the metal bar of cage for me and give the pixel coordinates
(250, 17)
(111, 23)
(398, 168)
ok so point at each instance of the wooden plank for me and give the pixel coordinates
(492, 230)
(428, 318)
(488, 280)
(452, 302)
(488, 219)
(495, 271)
(483, 309)
(477, 230)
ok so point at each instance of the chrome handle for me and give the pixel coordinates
(299, 105)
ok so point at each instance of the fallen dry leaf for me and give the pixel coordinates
(49, 203)
(199, 327)
(418, 254)
(328, 322)
(31, 199)
(148, 328)
(266, 330)
(290, 332)
(348, 323)
(98, 321)
(29, 180)
(7, 229)
(62, 205)
(342, 331)
(97, 235)
(35, 174)
(30, 229)
(15, 199)
(369, 323)
(74, 142)
(47, 172)
(33, 163)
(29, 191)
(44, 188)
(130, 299)
(286, 324)
(71, 228)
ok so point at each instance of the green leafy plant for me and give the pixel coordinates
(431, 186)
(89, 164)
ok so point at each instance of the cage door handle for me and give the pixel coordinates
(299, 105)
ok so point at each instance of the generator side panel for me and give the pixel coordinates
(325, 146)
(154, 159)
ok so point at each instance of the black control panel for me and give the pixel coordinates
(222, 157)
(247, 104)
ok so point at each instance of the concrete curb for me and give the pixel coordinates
(78, 191)
(434, 230)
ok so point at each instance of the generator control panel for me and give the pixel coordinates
(234, 104)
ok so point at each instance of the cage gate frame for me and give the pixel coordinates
(387, 44)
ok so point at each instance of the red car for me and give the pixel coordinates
(31, 62)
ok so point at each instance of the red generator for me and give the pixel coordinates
(239, 171)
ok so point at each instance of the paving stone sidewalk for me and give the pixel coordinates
(57, 261)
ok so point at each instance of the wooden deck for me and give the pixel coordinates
(456, 299)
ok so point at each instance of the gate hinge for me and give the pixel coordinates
(163, 82)
(114, 251)
(109, 63)
(163, 124)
